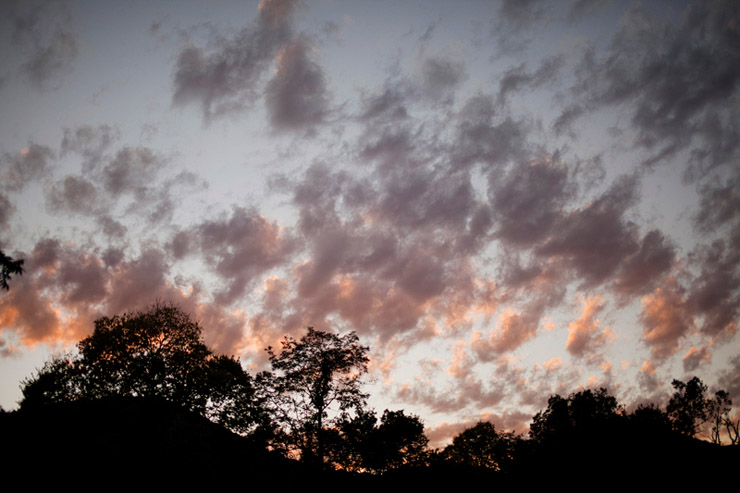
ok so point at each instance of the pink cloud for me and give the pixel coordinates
(584, 334)
(666, 319)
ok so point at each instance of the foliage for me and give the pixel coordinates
(363, 444)
(688, 408)
(582, 412)
(650, 419)
(315, 385)
(154, 354)
(718, 413)
(482, 446)
(9, 267)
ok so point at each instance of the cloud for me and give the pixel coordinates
(647, 378)
(51, 59)
(131, 170)
(512, 330)
(584, 8)
(43, 40)
(681, 86)
(388, 104)
(720, 205)
(441, 74)
(224, 79)
(594, 240)
(74, 194)
(239, 248)
(528, 201)
(715, 292)
(90, 142)
(296, 96)
(29, 164)
(485, 138)
(640, 272)
(696, 357)
(584, 335)
(666, 318)
(518, 79)
(6, 211)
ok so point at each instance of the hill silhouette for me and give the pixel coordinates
(129, 439)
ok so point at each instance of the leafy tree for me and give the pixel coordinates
(315, 385)
(718, 413)
(8, 268)
(400, 442)
(482, 446)
(153, 354)
(363, 444)
(649, 419)
(688, 408)
(583, 413)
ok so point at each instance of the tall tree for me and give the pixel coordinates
(718, 413)
(688, 408)
(157, 353)
(363, 444)
(482, 446)
(9, 267)
(316, 383)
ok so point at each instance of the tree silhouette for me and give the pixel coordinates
(363, 444)
(483, 447)
(315, 384)
(718, 413)
(153, 354)
(688, 408)
(9, 267)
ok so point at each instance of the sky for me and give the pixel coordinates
(505, 200)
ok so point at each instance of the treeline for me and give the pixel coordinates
(311, 406)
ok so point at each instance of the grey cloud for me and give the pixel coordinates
(240, 247)
(729, 378)
(440, 76)
(390, 104)
(296, 96)
(583, 8)
(640, 272)
(41, 34)
(135, 283)
(521, 12)
(131, 170)
(695, 358)
(715, 293)
(52, 59)
(89, 142)
(31, 163)
(420, 198)
(518, 79)
(223, 79)
(720, 205)
(683, 86)
(111, 228)
(595, 239)
(484, 138)
(73, 194)
(528, 200)
(6, 211)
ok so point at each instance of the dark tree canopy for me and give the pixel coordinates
(688, 408)
(363, 444)
(316, 383)
(9, 267)
(482, 446)
(582, 412)
(158, 354)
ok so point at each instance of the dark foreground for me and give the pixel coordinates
(127, 441)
